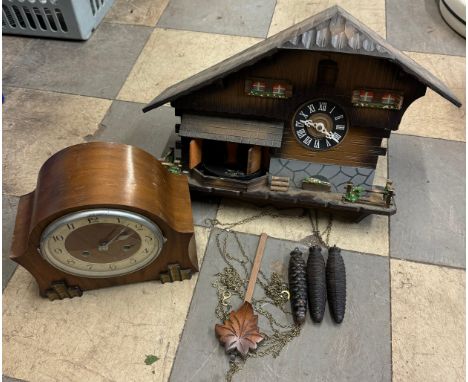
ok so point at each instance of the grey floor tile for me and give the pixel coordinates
(356, 350)
(9, 379)
(232, 17)
(429, 177)
(417, 26)
(97, 67)
(204, 208)
(9, 206)
(12, 48)
(125, 123)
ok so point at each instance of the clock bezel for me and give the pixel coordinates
(328, 100)
(83, 214)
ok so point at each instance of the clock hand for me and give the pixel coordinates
(319, 126)
(104, 245)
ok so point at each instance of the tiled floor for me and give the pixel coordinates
(406, 310)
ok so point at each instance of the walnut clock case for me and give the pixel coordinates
(104, 214)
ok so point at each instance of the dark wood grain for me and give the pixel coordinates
(105, 175)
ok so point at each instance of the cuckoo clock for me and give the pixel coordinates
(299, 118)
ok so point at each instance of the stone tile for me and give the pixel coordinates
(171, 56)
(429, 177)
(231, 17)
(356, 350)
(419, 27)
(46, 341)
(433, 116)
(125, 123)
(142, 12)
(204, 209)
(428, 322)
(368, 236)
(293, 224)
(288, 13)
(9, 207)
(12, 49)
(97, 67)
(37, 124)
(381, 171)
(9, 379)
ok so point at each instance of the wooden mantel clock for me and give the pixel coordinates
(104, 214)
(301, 118)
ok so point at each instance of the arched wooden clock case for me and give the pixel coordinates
(118, 184)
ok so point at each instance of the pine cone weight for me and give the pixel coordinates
(298, 286)
(316, 283)
(336, 284)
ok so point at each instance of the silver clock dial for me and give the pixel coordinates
(101, 243)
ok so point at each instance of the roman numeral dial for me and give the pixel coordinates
(320, 125)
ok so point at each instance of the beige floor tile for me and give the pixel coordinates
(381, 171)
(428, 322)
(433, 116)
(102, 336)
(171, 56)
(141, 12)
(291, 224)
(202, 235)
(37, 124)
(290, 12)
(368, 236)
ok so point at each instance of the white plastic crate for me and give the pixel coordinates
(64, 19)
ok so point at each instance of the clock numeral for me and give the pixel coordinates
(58, 251)
(132, 261)
(331, 111)
(328, 143)
(338, 117)
(307, 141)
(299, 124)
(336, 137)
(340, 127)
(148, 239)
(71, 226)
(93, 219)
(322, 106)
(303, 115)
(301, 133)
(57, 238)
(112, 267)
(316, 144)
(118, 220)
(139, 227)
(89, 266)
(311, 108)
(70, 261)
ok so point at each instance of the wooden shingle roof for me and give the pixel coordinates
(332, 30)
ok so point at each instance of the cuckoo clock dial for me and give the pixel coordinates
(320, 124)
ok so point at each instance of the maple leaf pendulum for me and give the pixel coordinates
(240, 331)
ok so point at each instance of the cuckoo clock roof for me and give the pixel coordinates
(332, 30)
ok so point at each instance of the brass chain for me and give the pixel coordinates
(230, 283)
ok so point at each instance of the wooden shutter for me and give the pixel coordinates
(254, 159)
(195, 153)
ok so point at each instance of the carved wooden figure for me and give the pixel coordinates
(313, 102)
(104, 214)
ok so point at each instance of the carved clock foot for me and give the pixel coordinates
(60, 290)
(175, 273)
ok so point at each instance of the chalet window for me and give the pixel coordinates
(327, 73)
(268, 88)
(381, 99)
